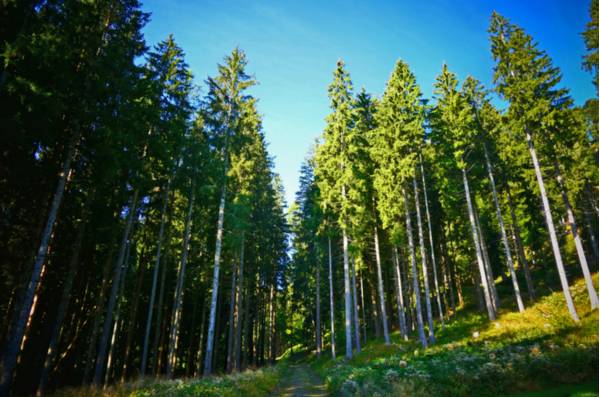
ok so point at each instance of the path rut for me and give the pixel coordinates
(301, 381)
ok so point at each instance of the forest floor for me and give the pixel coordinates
(300, 380)
(538, 353)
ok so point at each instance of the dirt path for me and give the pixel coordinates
(300, 381)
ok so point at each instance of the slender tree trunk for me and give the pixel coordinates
(487, 262)
(375, 309)
(229, 363)
(318, 301)
(431, 244)
(347, 296)
(238, 314)
(476, 242)
(215, 287)
(178, 299)
(272, 308)
(90, 356)
(198, 366)
(415, 271)
(400, 296)
(15, 338)
(507, 253)
(519, 244)
(550, 223)
(578, 243)
(331, 306)
(355, 305)
(159, 326)
(384, 321)
(362, 306)
(161, 232)
(117, 315)
(112, 300)
(63, 306)
(424, 263)
(133, 313)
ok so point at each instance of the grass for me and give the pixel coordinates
(540, 352)
(520, 352)
(250, 383)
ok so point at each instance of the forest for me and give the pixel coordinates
(436, 246)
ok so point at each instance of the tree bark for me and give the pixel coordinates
(230, 360)
(486, 261)
(384, 321)
(519, 244)
(112, 300)
(331, 306)
(161, 232)
(424, 262)
(238, 313)
(178, 299)
(355, 306)
(318, 302)
(63, 306)
(578, 243)
(400, 297)
(362, 307)
(476, 242)
(15, 338)
(215, 286)
(507, 253)
(347, 294)
(415, 271)
(550, 223)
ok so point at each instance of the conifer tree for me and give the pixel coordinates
(526, 78)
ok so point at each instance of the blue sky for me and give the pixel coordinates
(292, 48)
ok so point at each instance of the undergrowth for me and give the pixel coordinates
(526, 351)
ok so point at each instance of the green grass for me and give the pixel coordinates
(531, 351)
(540, 352)
(589, 389)
(250, 383)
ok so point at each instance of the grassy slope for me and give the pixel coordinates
(528, 351)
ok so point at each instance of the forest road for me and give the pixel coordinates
(300, 381)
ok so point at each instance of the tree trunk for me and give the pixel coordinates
(159, 327)
(347, 297)
(133, 312)
(507, 253)
(486, 261)
(400, 297)
(519, 244)
(117, 315)
(550, 223)
(318, 302)
(415, 271)
(476, 242)
(63, 306)
(229, 363)
(424, 263)
(386, 334)
(178, 299)
(15, 338)
(215, 287)
(161, 232)
(198, 366)
(331, 306)
(238, 313)
(112, 300)
(362, 307)
(578, 243)
(355, 305)
(431, 245)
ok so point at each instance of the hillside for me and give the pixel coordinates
(538, 350)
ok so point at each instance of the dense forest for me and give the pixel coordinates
(144, 231)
